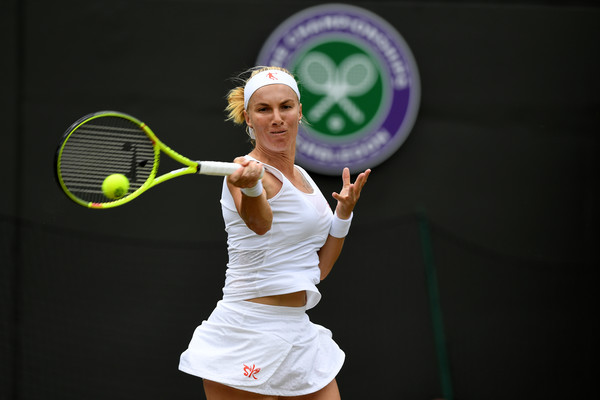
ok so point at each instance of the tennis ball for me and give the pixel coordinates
(115, 186)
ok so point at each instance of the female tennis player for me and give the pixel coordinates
(283, 239)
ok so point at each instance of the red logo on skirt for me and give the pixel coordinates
(251, 372)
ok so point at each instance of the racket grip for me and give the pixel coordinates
(217, 168)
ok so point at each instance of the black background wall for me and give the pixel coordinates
(498, 176)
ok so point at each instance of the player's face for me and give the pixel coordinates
(274, 113)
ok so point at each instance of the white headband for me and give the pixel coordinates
(268, 77)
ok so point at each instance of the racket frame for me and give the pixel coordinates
(191, 167)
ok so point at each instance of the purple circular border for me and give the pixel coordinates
(405, 101)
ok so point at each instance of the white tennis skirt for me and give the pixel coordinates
(263, 349)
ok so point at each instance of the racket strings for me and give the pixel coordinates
(103, 146)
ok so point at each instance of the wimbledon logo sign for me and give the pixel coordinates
(359, 85)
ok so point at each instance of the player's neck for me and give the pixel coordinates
(283, 161)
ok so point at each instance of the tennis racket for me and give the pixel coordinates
(109, 142)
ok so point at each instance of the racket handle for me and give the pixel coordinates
(219, 168)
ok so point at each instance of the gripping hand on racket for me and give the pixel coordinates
(247, 176)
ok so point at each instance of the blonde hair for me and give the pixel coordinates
(235, 97)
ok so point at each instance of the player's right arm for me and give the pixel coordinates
(254, 210)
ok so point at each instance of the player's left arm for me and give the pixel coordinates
(346, 201)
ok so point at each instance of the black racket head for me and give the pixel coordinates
(99, 145)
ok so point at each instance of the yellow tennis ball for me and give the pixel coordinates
(115, 186)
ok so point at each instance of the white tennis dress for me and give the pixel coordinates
(260, 348)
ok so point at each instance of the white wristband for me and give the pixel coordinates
(340, 227)
(255, 190)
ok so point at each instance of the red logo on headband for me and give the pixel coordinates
(271, 75)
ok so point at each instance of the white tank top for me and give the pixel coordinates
(284, 260)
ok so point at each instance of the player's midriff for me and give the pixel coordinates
(296, 299)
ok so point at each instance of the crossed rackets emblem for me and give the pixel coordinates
(354, 77)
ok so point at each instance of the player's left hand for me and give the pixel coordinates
(350, 193)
